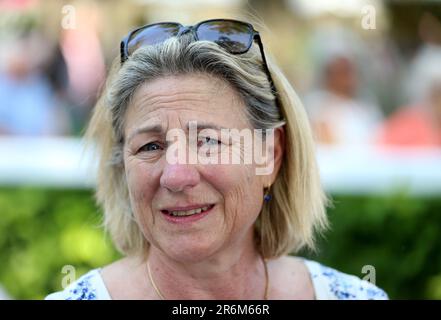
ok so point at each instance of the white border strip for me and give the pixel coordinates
(64, 163)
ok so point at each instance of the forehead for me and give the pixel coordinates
(188, 97)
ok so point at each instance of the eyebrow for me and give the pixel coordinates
(157, 128)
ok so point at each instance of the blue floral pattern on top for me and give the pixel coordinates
(83, 290)
(88, 287)
(332, 284)
(329, 284)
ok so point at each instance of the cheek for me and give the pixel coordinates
(241, 191)
(140, 192)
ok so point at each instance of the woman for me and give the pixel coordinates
(201, 229)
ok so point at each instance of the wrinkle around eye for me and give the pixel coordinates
(156, 146)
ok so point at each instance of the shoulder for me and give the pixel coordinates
(88, 287)
(332, 284)
(289, 278)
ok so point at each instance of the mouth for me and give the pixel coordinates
(187, 214)
(189, 211)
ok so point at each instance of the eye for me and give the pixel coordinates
(151, 146)
(208, 141)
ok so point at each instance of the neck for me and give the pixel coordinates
(230, 274)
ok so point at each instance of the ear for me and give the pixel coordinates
(279, 151)
(275, 148)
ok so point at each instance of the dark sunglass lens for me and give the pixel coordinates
(234, 36)
(152, 35)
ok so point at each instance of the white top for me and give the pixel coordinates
(329, 284)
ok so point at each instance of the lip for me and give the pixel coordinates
(187, 219)
(189, 207)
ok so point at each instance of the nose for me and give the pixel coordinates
(177, 177)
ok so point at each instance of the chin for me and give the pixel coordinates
(191, 250)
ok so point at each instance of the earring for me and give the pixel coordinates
(267, 196)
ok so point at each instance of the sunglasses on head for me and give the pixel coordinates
(236, 37)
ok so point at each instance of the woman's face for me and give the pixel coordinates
(189, 211)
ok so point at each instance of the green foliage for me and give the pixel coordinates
(400, 236)
(42, 230)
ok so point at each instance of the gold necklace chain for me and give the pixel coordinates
(158, 292)
(153, 282)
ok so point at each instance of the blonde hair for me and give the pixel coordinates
(296, 212)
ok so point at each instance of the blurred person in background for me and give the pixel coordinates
(419, 122)
(55, 81)
(337, 112)
(28, 101)
(82, 52)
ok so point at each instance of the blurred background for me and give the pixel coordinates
(368, 72)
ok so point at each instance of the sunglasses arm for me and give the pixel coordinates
(265, 64)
